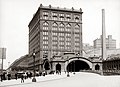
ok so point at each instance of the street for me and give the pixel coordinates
(81, 79)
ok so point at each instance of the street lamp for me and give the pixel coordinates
(68, 68)
(34, 79)
(74, 67)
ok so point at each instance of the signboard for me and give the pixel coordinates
(3, 53)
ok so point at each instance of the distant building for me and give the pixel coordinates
(112, 64)
(110, 43)
(53, 31)
(97, 52)
(19, 64)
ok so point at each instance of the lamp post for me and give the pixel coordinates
(34, 79)
(74, 67)
(68, 67)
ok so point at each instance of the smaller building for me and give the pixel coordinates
(20, 64)
(112, 65)
(110, 43)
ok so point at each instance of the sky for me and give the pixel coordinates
(15, 16)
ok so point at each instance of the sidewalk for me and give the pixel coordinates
(38, 79)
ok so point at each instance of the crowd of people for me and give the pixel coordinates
(8, 76)
(5, 76)
(24, 75)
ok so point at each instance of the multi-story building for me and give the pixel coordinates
(110, 43)
(54, 31)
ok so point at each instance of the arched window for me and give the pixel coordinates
(61, 27)
(55, 26)
(61, 16)
(45, 26)
(77, 18)
(45, 15)
(68, 27)
(77, 28)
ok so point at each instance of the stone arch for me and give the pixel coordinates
(82, 60)
(58, 67)
(46, 65)
(97, 67)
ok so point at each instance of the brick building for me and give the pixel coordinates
(110, 43)
(53, 31)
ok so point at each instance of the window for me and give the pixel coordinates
(61, 38)
(54, 16)
(61, 34)
(45, 15)
(77, 28)
(45, 46)
(68, 27)
(54, 34)
(45, 33)
(45, 38)
(54, 42)
(45, 26)
(77, 19)
(61, 27)
(68, 17)
(55, 38)
(61, 16)
(54, 27)
(77, 44)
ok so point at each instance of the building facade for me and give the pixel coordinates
(53, 31)
(110, 43)
(112, 65)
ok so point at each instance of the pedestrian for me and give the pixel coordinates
(25, 76)
(22, 78)
(1, 76)
(30, 75)
(9, 76)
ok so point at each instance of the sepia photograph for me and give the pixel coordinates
(59, 43)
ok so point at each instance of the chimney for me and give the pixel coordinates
(103, 36)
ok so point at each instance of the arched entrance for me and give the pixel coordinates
(58, 67)
(47, 65)
(77, 65)
(97, 67)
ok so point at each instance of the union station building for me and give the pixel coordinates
(55, 35)
(55, 43)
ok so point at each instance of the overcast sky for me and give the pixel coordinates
(15, 16)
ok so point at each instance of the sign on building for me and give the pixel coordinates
(3, 53)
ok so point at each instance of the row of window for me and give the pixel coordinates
(61, 27)
(60, 47)
(61, 16)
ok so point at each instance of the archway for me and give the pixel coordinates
(97, 67)
(77, 65)
(58, 67)
(46, 65)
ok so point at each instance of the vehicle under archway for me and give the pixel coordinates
(77, 65)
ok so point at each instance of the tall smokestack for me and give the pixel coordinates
(103, 36)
